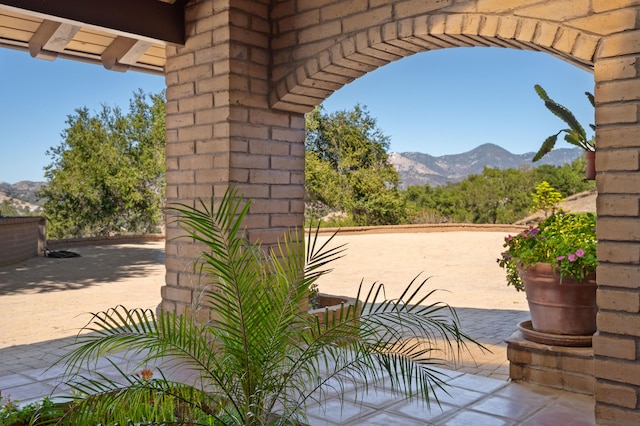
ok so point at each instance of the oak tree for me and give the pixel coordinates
(107, 175)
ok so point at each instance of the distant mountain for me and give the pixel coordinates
(22, 195)
(416, 168)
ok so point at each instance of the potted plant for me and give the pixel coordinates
(575, 134)
(555, 263)
(260, 356)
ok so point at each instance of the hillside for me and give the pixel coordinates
(22, 195)
(416, 168)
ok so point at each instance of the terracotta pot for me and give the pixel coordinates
(560, 308)
(590, 171)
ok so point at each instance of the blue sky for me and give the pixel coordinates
(440, 102)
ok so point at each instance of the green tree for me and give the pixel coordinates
(567, 179)
(495, 196)
(7, 209)
(348, 169)
(546, 198)
(107, 175)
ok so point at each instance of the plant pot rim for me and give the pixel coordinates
(333, 302)
(551, 270)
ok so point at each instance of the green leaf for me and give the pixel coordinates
(547, 146)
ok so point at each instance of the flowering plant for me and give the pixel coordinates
(565, 240)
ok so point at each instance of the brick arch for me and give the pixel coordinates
(302, 87)
(237, 91)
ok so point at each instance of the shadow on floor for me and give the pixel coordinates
(490, 327)
(96, 265)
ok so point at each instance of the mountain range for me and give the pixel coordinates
(417, 168)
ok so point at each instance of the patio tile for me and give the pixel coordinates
(13, 380)
(374, 397)
(447, 374)
(477, 383)
(553, 416)
(27, 393)
(473, 418)
(335, 385)
(531, 393)
(570, 410)
(459, 397)
(382, 418)
(505, 407)
(333, 411)
(419, 410)
(46, 373)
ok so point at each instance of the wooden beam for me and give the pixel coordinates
(122, 52)
(50, 38)
(153, 20)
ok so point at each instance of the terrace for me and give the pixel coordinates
(45, 302)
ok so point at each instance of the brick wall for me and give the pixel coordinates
(616, 345)
(21, 238)
(220, 130)
(237, 92)
(321, 46)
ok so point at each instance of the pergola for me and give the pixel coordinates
(119, 34)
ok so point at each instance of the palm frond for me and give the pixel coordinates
(319, 257)
(261, 351)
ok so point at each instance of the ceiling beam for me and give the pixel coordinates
(148, 19)
(50, 38)
(122, 52)
(86, 57)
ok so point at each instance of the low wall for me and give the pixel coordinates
(566, 368)
(21, 238)
(94, 241)
(427, 227)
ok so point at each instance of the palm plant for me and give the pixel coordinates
(261, 357)
(574, 135)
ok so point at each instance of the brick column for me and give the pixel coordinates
(616, 346)
(220, 130)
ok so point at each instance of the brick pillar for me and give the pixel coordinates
(220, 130)
(617, 344)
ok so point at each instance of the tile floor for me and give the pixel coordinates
(471, 400)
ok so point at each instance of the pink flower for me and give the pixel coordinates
(579, 252)
(572, 257)
(560, 257)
